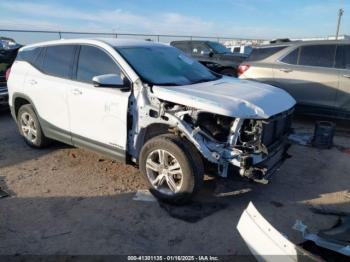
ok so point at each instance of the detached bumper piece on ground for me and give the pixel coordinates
(336, 238)
(267, 244)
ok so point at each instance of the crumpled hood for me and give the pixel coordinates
(230, 97)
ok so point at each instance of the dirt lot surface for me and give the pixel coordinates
(65, 200)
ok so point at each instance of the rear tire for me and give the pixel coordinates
(29, 127)
(158, 159)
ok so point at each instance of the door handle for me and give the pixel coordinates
(346, 76)
(286, 70)
(33, 82)
(77, 91)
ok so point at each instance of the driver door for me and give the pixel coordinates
(98, 115)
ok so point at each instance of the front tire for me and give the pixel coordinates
(171, 169)
(29, 127)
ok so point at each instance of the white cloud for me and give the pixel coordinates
(50, 16)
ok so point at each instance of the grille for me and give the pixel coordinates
(276, 128)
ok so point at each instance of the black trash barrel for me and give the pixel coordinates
(323, 134)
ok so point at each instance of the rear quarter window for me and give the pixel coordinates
(28, 55)
(264, 52)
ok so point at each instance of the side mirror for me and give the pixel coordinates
(108, 80)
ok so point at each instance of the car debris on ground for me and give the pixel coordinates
(336, 238)
(264, 241)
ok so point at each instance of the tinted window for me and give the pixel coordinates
(94, 62)
(28, 55)
(343, 57)
(39, 60)
(218, 48)
(58, 60)
(264, 52)
(199, 48)
(185, 47)
(237, 49)
(292, 57)
(317, 55)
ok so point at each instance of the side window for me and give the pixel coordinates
(199, 48)
(184, 47)
(237, 49)
(342, 59)
(317, 55)
(93, 62)
(261, 53)
(292, 57)
(28, 55)
(58, 60)
(39, 60)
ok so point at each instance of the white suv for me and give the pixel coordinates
(149, 104)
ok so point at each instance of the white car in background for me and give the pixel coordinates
(149, 104)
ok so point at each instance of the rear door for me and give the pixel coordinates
(47, 83)
(343, 65)
(308, 74)
(98, 116)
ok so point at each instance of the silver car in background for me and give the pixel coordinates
(315, 73)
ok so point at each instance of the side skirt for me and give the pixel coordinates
(65, 137)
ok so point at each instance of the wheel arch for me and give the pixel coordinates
(148, 132)
(18, 100)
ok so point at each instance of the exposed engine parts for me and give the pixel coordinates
(250, 137)
(222, 140)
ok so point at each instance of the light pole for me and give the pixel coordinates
(340, 14)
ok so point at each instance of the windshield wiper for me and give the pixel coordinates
(168, 84)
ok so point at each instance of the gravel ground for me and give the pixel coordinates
(65, 200)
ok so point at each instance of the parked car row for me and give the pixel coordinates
(315, 73)
(158, 107)
(151, 105)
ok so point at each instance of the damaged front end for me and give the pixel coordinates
(254, 148)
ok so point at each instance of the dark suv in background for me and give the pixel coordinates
(8, 52)
(315, 73)
(212, 54)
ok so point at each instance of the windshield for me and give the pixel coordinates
(218, 48)
(160, 65)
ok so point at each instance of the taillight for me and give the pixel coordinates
(242, 69)
(7, 74)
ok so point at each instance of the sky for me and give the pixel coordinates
(264, 19)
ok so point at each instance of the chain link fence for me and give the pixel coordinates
(33, 36)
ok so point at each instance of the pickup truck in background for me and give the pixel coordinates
(213, 55)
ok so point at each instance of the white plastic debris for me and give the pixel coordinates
(262, 239)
